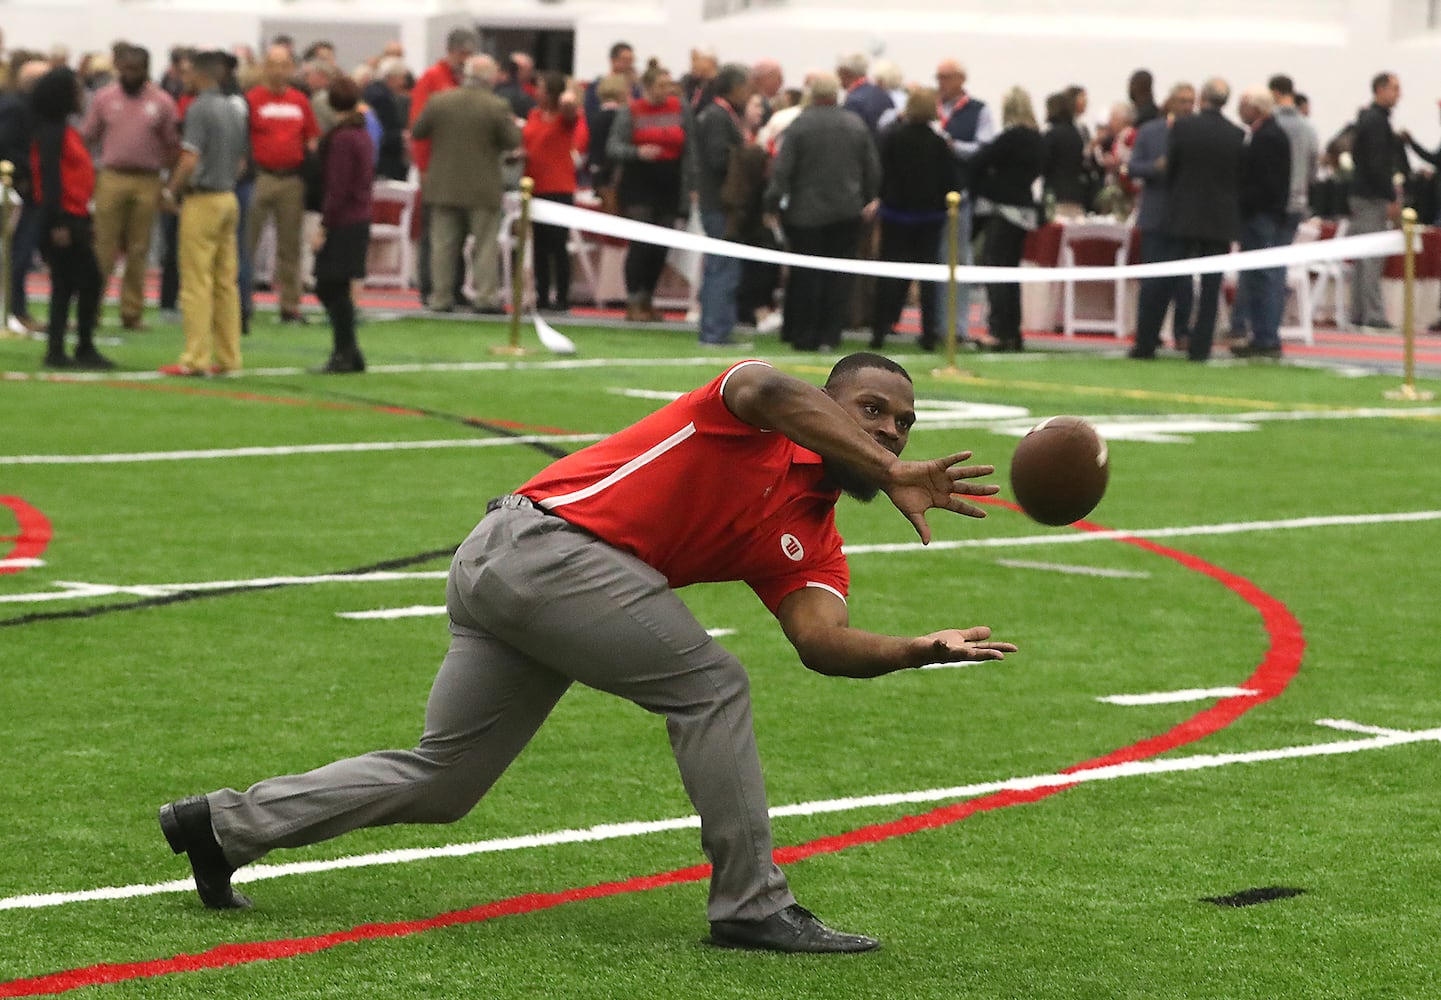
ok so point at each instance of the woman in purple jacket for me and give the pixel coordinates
(347, 157)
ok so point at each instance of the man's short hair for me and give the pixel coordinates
(1282, 85)
(1215, 93)
(462, 40)
(210, 63)
(482, 69)
(854, 62)
(729, 77)
(823, 88)
(1381, 80)
(618, 48)
(852, 363)
(1260, 100)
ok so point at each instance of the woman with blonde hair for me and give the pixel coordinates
(1004, 176)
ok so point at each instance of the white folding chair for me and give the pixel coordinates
(390, 241)
(1100, 232)
(1331, 276)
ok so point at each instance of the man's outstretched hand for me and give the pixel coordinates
(916, 487)
(957, 645)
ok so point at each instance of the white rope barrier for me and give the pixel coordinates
(1347, 248)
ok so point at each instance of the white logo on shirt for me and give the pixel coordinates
(284, 112)
(792, 547)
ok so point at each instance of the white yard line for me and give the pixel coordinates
(1176, 697)
(616, 831)
(21, 563)
(1232, 528)
(1067, 568)
(124, 457)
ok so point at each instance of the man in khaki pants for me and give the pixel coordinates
(137, 129)
(212, 154)
(282, 128)
(469, 129)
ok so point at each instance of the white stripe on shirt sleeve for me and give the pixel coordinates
(827, 587)
(639, 462)
(737, 368)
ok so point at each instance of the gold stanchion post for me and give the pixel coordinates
(7, 183)
(517, 272)
(953, 253)
(1408, 391)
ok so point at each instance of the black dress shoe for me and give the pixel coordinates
(294, 319)
(794, 929)
(1139, 354)
(341, 364)
(92, 361)
(186, 825)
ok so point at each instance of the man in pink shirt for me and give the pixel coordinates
(136, 127)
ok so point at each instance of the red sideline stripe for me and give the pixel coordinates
(34, 534)
(1277, 668)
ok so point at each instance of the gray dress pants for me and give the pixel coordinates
(1368, 215)
(535, 604)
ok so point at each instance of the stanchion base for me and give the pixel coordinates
(509, 350)
(951, 371)
(1410, 394)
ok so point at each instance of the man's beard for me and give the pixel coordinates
(132, 89)
(850, 482)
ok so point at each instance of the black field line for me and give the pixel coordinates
(549, 450)
(96, 610)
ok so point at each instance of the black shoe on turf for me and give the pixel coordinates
(794, 929)
(92, 361)
(186, 825)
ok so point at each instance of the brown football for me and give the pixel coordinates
(1059, 471)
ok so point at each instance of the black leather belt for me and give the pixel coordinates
(513, 501)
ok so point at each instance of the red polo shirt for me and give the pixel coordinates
(702, 496)
(280, 127)
(438, 79)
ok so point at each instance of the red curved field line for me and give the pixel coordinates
(34, 534)
(1277, 668)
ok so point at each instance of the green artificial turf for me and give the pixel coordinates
(1091, 892)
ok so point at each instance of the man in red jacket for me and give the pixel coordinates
(571, 579)
(446, 74)
(282, 130)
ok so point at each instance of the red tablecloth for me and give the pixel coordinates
(1428, 258)
(1043, 248)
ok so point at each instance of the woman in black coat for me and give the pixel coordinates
(918, 170)
(1005, 174)
(1065, 167)
(64, 179)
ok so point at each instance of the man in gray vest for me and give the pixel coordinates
(213, 152)
(968, 125)
(470, 129)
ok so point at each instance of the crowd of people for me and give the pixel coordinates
(856, 162)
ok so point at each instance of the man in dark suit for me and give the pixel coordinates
(1148, 165)
(1378, 155)
(861, 95)
(1203, 197)
(1265, 195)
